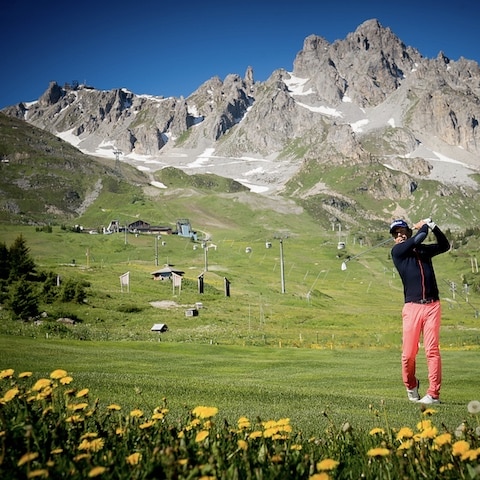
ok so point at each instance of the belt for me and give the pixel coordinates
(425, 301)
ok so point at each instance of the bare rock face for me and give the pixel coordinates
(52, 95)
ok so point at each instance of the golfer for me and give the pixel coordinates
(421, 312)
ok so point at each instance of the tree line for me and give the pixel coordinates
(24, 288)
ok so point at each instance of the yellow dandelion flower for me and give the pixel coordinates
(47, 410)
(460, 447)
(41, 384)
(377, 431)
(404, 432)
(207, 424)
(25, 374)
(269, 424)
(243, 422)
(136, 413)
(84, 445)
(256, 434)
(429, 432)
(473, 407)
(424, 424)
(56, 451)
(407, 444)
(74, 419)
(58, 374)
(81, 456)
(443, 439)
(182, 461)
(82, 393)
(296, 447)
(327, 464)
(96, 471)
(40, 472)
(97, 444)
(94, 445)
(201, 436)
(470, 455)
(205, 412)
(181, 434)
(45, 393)
(8, 373)
(161, 410)
(195, 422)
(10, 395)
(378, 452)
(66, 380)
(276, 458)
(119, 431)
(287, 428)
(27, 457)
(134, 458)
(429, 411)
(158, 416)
(145, 425)
(270, 432)
(242, 445)
(89, 435)
(446, 468)
(77, 406)
(319, 476)
(114, 406)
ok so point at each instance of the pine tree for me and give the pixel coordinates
(4, 262)
(20, 262)
(23, 301)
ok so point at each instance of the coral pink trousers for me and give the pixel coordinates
(421, 319)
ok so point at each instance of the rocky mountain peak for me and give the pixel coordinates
(52, 95)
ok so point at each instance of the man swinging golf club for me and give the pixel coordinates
(421, 313)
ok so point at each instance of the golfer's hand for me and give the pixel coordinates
(419, 224)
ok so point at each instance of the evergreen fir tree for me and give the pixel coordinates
(23, 300)
(4, 262)
(20, 262)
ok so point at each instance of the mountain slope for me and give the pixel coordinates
(44, 179)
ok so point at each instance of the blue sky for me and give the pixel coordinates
(171, 48)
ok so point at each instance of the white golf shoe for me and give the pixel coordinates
(413, 394)
(429, 400)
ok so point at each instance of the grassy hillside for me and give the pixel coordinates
(46, 180)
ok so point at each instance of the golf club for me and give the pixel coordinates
(344, 264)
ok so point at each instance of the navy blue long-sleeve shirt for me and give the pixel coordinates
(413, 261)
